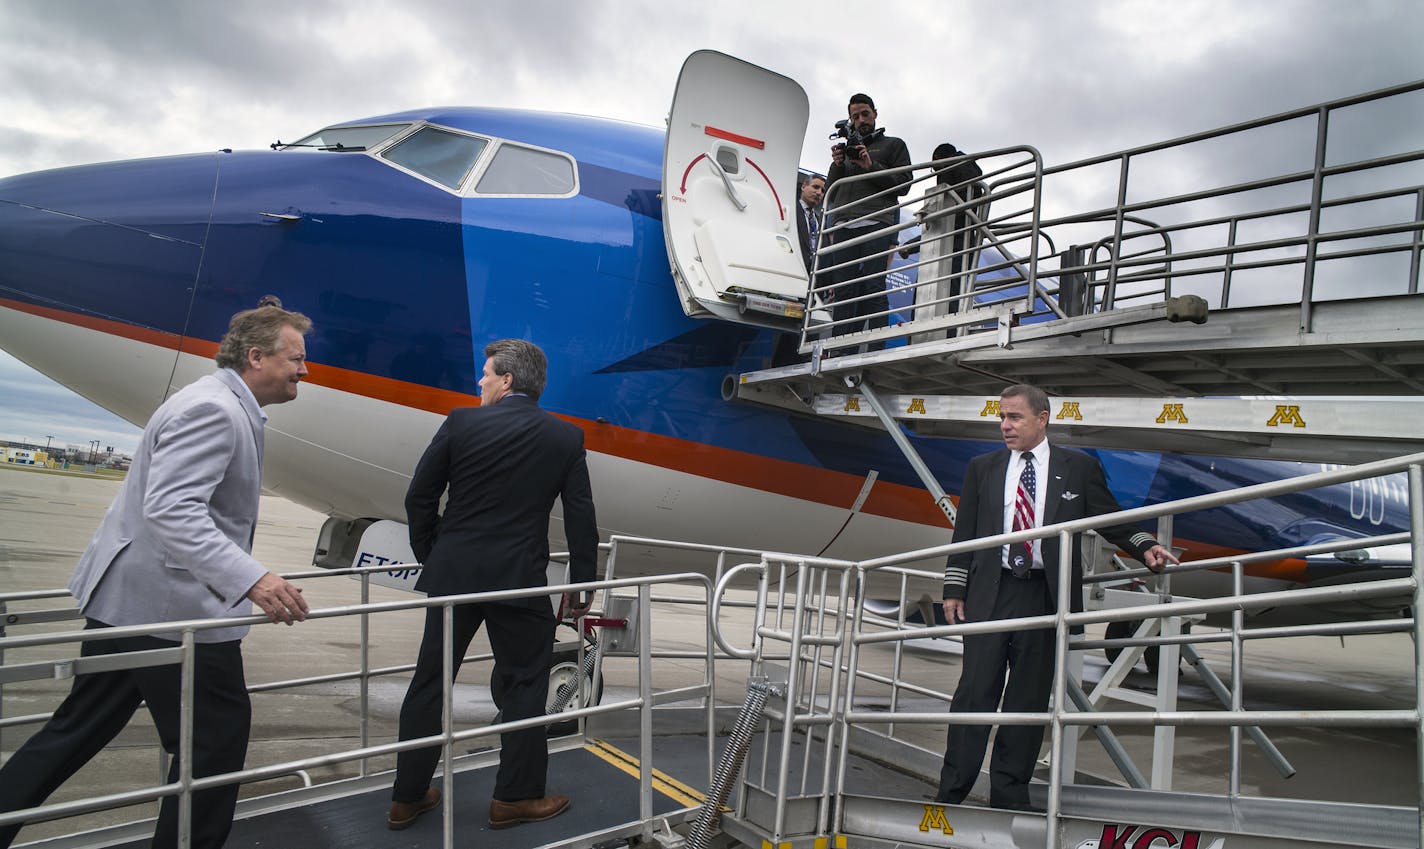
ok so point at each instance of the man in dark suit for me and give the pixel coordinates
(811, 188)
(1026, 485)
(503, 463)
(176, 544)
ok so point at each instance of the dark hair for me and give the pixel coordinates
(860, 98)
(259, 328)
(521, 359)
(1037, 399)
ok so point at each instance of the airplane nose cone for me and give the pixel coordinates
(118, 241)
(97, 268)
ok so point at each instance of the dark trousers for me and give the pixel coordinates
(864, 262)
(521, 634)
(100, 704)
(1028, 657)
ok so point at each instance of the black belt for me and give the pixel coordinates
(1033, 575)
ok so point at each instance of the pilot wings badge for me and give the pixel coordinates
(1069, 496)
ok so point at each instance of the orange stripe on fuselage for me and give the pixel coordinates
(1292, 569)
(743, 468)
(161, 338)
(821, 486)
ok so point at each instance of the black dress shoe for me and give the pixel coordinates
(404, 814)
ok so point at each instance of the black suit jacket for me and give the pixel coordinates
(804, 232)
(1077, 488)
(504, 464)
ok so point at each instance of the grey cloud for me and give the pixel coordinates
(180, 39)
(36, 408)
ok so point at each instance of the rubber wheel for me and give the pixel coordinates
(1123, 630)
(563, 667)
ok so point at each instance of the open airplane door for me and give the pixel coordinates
(729, 191)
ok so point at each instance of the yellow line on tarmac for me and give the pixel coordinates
(662, 782)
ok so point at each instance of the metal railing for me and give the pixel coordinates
(1062, 716)
(815, 608)
(183, 654)
(1002, 245)
(812, 634)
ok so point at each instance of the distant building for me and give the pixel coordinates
(25, 456)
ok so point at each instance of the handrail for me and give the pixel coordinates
(716, 614)
(1138, 514)
(1255, 123)
(187, 784)
(827, 628)
(1125, 278)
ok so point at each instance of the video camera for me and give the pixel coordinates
(853, 137)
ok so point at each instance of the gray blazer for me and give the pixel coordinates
(176, 543)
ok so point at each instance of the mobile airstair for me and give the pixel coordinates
(1252, 290)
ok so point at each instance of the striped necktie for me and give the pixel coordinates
(1021, 561)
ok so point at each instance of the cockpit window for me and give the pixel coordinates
(438, 155)
(347, 138)
(518, 170)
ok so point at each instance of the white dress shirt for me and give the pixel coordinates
(1011, 494)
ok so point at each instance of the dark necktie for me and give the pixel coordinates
(811, 227)
(1020, 561)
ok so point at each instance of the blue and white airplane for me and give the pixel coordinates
(413, 239)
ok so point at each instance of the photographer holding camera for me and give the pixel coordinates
(866, 149)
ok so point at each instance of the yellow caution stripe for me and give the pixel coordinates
(662, 782)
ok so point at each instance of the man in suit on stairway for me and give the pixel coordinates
(810, 188)
(503, 463)
(1027, 484)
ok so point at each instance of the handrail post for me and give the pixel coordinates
(1060, 684)
(365, 626)
(1110, 290)
(1416, 529)
(793, 694)
(1418, 244)
(709, 672)
(645, 709)
(1312, 235)
(852, 675)
(835, 742)
(3, 608)
(1229, 263)
(1164, 737)
(1238, 618)
(1034, 289)
(447, 726)
(187, 674)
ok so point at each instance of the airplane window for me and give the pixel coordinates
(442, 156)
(347, 138)
(519, 170)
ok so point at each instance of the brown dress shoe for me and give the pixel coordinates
(506, 814)
(404, 814)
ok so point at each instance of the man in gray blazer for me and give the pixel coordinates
(175, 545)
(1027, 484)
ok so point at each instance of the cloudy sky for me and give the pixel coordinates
(92, 81)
